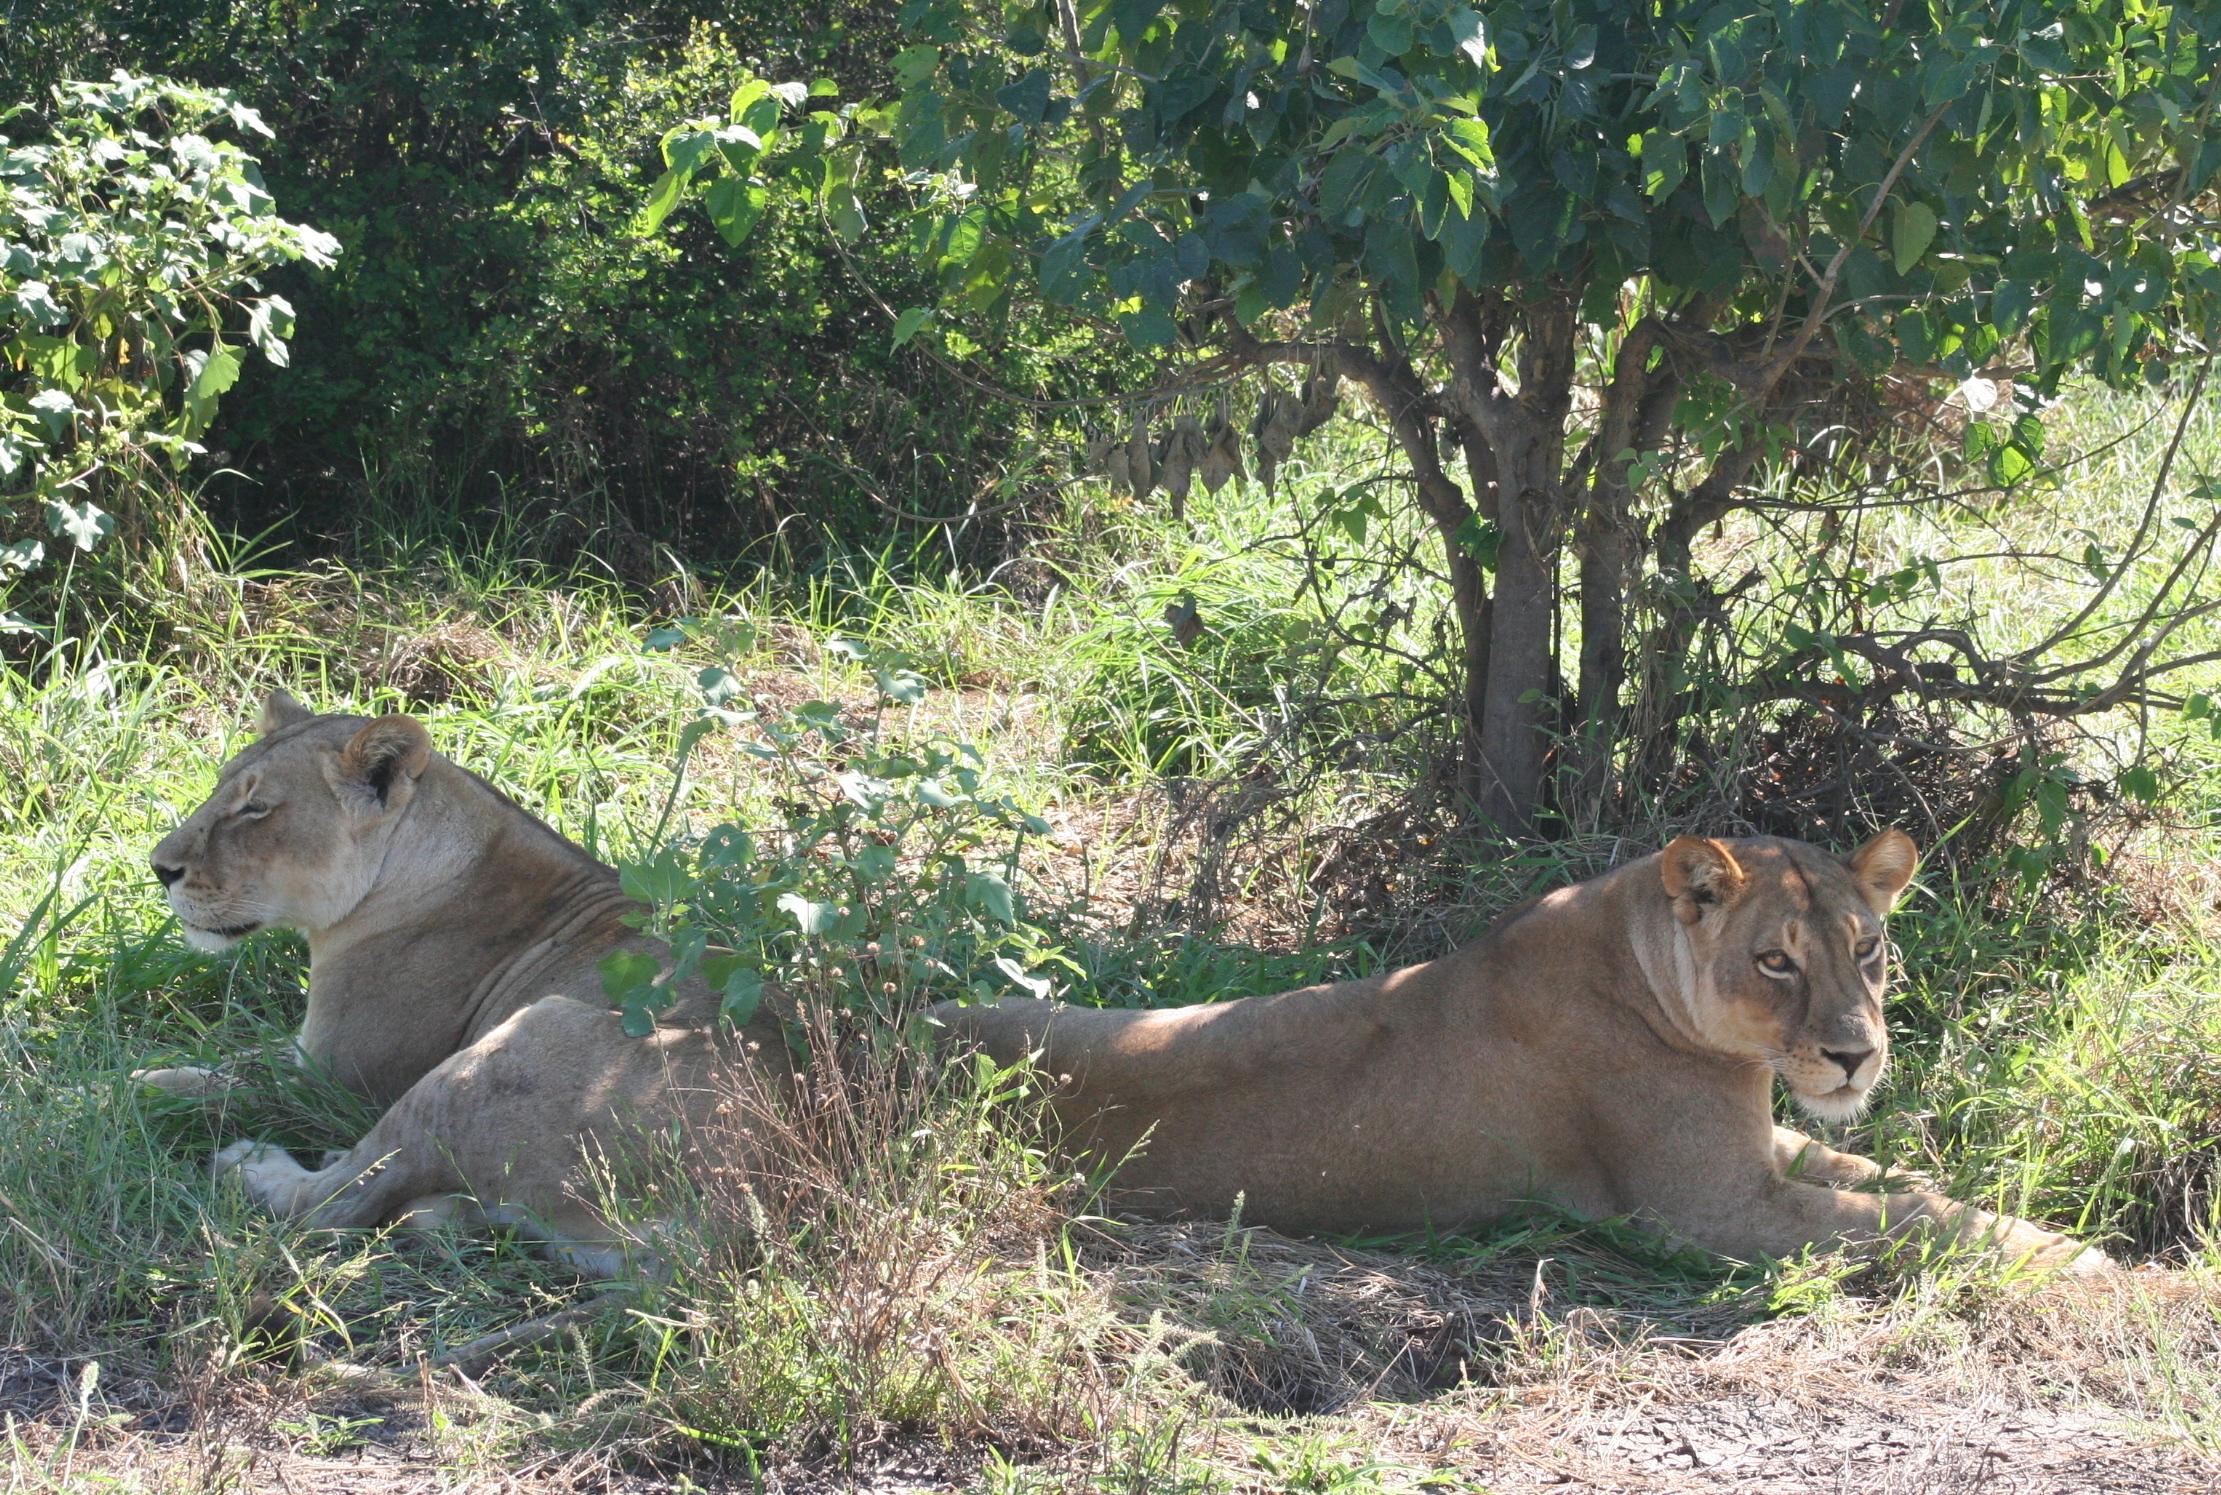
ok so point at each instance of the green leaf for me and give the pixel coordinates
(1461, 192)
(218, 373)
(663, 640)
(809, 916)
(662, 198)
(1150, 328)
(1393, 34)
(907, 325)
(913, 65)
(1469, 35)
(624, 972)
(1914, 231)
(269, 325)
(719, 685)
(726, 848)
(735, 206)
(662, 879)
(763, 115)
(34, 301)
(2139, 782)
(685, 149)
(904, 686)
(1028, 98)
(742, 995)
(85, 524)
(988, 892)
(1036, 986)
(749, 91)
(1482, 540)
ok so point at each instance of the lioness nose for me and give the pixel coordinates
(1850, 1059)
(166, 874)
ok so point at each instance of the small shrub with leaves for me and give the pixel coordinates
(890, 876)
(130, 239)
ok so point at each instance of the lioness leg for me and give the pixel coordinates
(1801, 1158)
(1778, 1216)
(1747, 1204)
(355, 1190)
(488, 1137)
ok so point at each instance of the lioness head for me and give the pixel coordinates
(297, 827)
(1781, 957)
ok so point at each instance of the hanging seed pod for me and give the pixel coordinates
(1140, 471)
(1274, 430)
(1115, 469)
(1098, 453)
(1222, 456)
(1322, 395)
(1281, 431)
(1268, 404)
(1183, 449)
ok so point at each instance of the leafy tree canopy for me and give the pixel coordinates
(1716, 217)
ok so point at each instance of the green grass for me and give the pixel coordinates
(2054, 1057)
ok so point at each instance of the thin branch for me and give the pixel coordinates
(2143, 527)
(1781, 361)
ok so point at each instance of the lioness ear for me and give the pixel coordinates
(279, 710)
(1699, 874)
(1882, 867)
(391, 751)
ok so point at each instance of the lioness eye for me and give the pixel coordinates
(1778, 962)
(1867, 947)
(253, 809)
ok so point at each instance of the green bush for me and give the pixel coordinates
(890, 880)
(499, 347)
(130, 242)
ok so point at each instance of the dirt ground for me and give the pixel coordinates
(1440, 1376)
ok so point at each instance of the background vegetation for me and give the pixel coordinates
(516, 437)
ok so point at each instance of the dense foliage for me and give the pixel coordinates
(130, 243)
(497, 344)
(1635, 265)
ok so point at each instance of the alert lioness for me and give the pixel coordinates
(453, 942)
(1611, 1047)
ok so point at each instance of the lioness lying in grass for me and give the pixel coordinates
(453, 944)
(1610, 1048)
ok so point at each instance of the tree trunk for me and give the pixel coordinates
(1665, 690)
(1525, 437)
(1638, 407)
(1476, 627)
(1513, 743)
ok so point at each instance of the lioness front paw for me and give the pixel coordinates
(1802, 1160)
(2044, 1250)
(186, 1081)
(251, 1161)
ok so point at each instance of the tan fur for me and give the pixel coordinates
(453, 942)
(1611, 1048)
